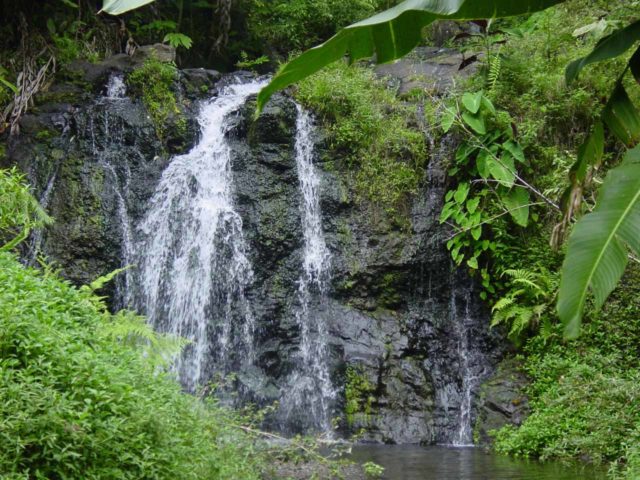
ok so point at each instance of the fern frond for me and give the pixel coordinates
(503, 303)
(521, 323)
(495, 66)
(133, 330)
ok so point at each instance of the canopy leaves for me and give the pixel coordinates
(597, 251)
(392, 34)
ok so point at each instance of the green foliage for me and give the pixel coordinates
(288, 26)
(6, 83)
(597, 252)
(79, 400)
(358, 392)
(19, 211)
(391, 35)
(583, 393)
(526, 306)
(489, 184)
(250, 64)
(583, 411)
(154, 82)
(610, 47)
(370, 130)
(178, 40)
(372, 470)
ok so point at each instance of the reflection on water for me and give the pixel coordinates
(410, 462)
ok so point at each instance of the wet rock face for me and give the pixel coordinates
(502, 401)
(398, 314)
(402, 322)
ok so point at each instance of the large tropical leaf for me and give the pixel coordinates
(609, 47)
(622, 117)
(597, 252)
(392, 34)
(117, 7)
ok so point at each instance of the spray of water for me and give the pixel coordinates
(191, 252)
(308, 402)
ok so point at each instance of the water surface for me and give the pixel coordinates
(411, 462)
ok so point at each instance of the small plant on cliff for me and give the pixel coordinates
(371, 133)
(358, 392)
(488, 167)
(154, 82)
(19, 211)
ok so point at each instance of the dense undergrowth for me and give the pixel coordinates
(78, 402)
(584, 394)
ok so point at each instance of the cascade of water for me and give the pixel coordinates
(103, 139)
(471, 369)
(308, 400)
(191, 252)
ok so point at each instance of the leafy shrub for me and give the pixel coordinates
(77, 403)
(584, 394)
(154, 82)
(370, 130)
(19, 211)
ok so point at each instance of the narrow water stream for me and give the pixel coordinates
(412, 462)
(309, 399)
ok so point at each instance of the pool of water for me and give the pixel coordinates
(409, 462)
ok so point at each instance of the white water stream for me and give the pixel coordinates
(311, 393)
(192, 256)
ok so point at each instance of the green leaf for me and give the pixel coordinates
(448, 119)
(517, 202)
(178, 40)
(100, 282)
(596, 256)
(503, 169)
(634, 65)
(9, 85)
(392, 34)
(514, 149)
(117, 7)
(488, 105)
(621, 116)
(476, 122)
(461, 193)
(463, 152)
(472, 101)
(609, 47)
(473, 263)
(51, 26)
(476, 233)
(589, 155)
(481, 164)
(472, 204)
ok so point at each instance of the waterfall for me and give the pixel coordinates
(472, 367)
(307, 400)
(104, 138)
(191, 254)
